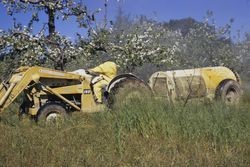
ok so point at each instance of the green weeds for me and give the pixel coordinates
(148, 133)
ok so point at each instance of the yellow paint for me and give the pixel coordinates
(107, 71)
(73, 89)
(214, 75)
(24, 76)
(33, 111)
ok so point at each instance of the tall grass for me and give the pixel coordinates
(148, 133)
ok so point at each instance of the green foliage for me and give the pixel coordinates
(133, 43)
(242, 49)
(173, 45)
(141, 43)
(207, 46)
(21, 46)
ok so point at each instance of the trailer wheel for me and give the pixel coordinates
(52, 113)
(229, 92)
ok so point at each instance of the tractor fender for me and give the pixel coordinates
(115, 82)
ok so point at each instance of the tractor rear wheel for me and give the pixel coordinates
(128, 90)
(229, 92)
(52, 113)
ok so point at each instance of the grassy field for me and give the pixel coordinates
(145, 134)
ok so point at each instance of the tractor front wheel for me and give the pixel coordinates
(52, 113)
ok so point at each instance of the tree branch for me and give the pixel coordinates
(31, 1)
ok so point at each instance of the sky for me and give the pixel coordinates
(160, 10)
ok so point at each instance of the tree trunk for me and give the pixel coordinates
(58, 64)
(51, 19)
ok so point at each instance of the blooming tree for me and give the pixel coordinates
(144, 42)
(27, 48)
(131, 43)
(206, 45)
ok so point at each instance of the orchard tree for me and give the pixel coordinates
(144, 41)
(55, 9)
(208, 45)
(22, 48)
(203, 47)
(243, 51)
(21, 44)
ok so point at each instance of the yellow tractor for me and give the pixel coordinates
(50, 94)
(209, 83)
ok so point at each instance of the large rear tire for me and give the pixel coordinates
(229, 92)
(128, 90)
(52, 113)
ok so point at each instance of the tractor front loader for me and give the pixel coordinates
(50, 93)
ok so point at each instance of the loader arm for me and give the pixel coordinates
(25, 76)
